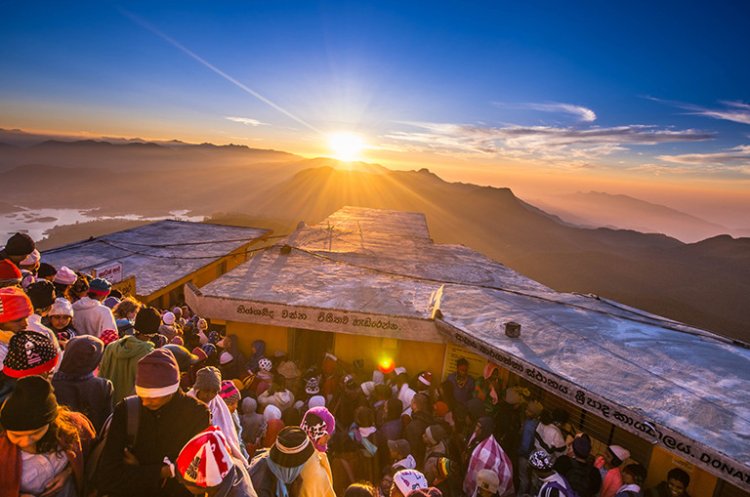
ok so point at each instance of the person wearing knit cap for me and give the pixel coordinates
(614, 457)
(91, 315)
(42, 443)
(252, 423)
(168, 328)
(10, 275)
(206, 466)
(291, 459)
(17, 248)
(75, 384)
(526, 445)
(64, 279)
(121, 357)
(168, 419)
(15, 309)
(29, 354)
(59, 319)
(42, 295)
(424, 381)
(261, 381)
(316, 401)
(206, 389)
(407, 481)
(231, 397)
(434, 441)
(553, 483)
(47, 272)
(579, 470)
(31, 262)
(273, 425)
(312, 386)
(319, 424)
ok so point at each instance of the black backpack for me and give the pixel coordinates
(133, 411)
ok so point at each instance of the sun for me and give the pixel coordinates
(346, 146)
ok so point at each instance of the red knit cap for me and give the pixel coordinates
(9, 273)
(14, 304)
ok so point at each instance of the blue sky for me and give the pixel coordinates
(636, 88)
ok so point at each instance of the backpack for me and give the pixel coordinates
(579, 477)
(564, 490)
(133, 413)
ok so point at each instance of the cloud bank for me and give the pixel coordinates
(536, 142)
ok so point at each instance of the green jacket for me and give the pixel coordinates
(120, 362)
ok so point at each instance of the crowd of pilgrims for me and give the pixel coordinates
(102, 395)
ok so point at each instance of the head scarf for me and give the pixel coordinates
(317, 423)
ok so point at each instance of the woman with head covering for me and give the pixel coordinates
(290, 468)
(253, 424)
(257, 352)
(274, 424)
(60, 320)
(42, 444)
(319, 424)
(207, 387)
(75, 384)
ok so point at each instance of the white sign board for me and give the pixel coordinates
(112, 272)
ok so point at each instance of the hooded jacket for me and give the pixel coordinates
(120, 362)
(91, 317)
(75, 383)
(260, 352)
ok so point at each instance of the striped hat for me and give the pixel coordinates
(14, 304)
(229, 391)
(157, 375)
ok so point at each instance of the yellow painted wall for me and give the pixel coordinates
(414, 356)
(701, 482)
(276, 337)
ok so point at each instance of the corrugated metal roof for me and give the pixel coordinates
(678, 386)
(158, 253)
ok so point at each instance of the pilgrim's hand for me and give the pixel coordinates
(129, 458)
(56, 484)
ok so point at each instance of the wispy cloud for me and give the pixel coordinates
(581, 113)
(537, 142)
(730, 110)
(246, 121)
(735, 159)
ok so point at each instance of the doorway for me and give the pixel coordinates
(308, 347)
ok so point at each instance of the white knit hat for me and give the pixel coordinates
(61, 307)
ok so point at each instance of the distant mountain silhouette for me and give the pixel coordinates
(704, 283)
(598, 209)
